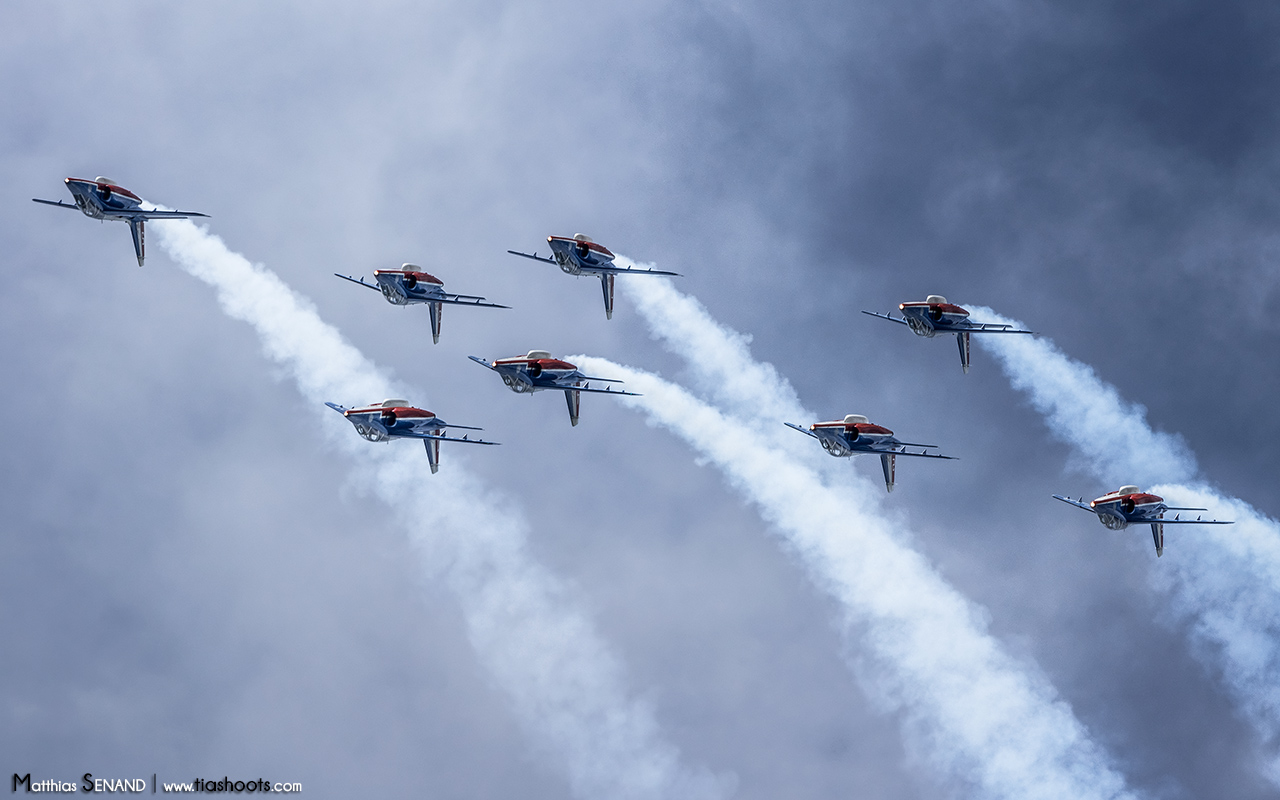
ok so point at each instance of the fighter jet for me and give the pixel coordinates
(1129, 505)
(104, 199)
(396, 419)
(538, 370)
(409, 285)
(581, 256)
(935, 315)
(855, 434)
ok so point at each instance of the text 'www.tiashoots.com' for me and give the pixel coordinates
(88, 783)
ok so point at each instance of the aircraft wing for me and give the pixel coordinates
(1077, 503)
(534, 256)
(628, 271)
(57, 203)
(805, 431)
(991, 327)
(1176, 521)
(904, 452)
(483, 363)
(463, 439)
(336, 407)
(467, 300)
(599, 391)
(164, 214)
(360, 282)
(885, 316)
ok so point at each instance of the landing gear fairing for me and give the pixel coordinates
(581, 256)
(104, 199)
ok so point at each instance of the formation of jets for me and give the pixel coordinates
(537, 370)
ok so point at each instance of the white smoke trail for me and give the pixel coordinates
(1223, 581)
(942, 674)
(526, 628)
(975, 712)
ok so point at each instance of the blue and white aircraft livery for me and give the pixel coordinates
(538, 370)
(104, 199)
(855, 434)
(1129, 505)
(581, 256)
(396, 419)
(409, 285)
(935, 315)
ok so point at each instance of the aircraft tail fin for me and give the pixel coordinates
(606, 283)
(436, 309)
(137, 226)
(889, 465)
(433, 454)
(962, 339)
(1157, 534)
(574, 398)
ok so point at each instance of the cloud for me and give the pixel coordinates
(525, 625)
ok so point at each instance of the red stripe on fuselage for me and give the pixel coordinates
(404, 412)
(545, 363)
(601, 249)
(114, 189)
(860, 427)
(946, 308)
(422, 277)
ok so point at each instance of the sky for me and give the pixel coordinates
(195, 584)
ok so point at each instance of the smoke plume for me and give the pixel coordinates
(1223, 581)
(527, 628)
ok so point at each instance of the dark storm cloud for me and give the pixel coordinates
(1104, 173)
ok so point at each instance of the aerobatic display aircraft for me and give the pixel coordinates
(935, 315)
(537, 370)
(855, 435)
(396, 419)
(104, 199)
(1129, 505)
(581, 256)
(409, 285)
